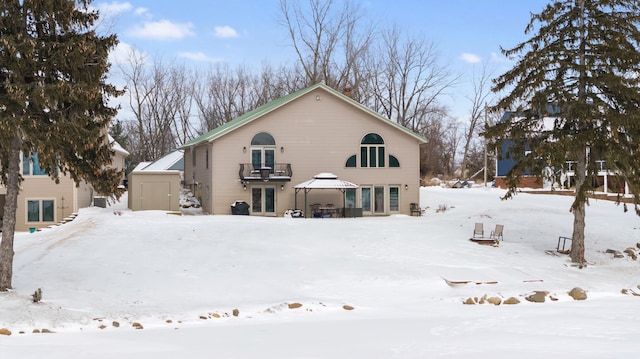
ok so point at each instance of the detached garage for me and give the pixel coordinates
(156, 186)
(154, 190)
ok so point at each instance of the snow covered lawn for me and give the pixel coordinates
(250, 287)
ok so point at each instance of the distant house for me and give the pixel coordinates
(156, 185)
(259, 158)
(42, 202)
(556, 175)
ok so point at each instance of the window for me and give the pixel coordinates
(350, 198)
(263, 151)
(393, 161)
(351, 161)
(372, 151)
(31, 165)
(40, 210)
(394, 198)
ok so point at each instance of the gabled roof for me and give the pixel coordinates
(277, 103)
(117, 147)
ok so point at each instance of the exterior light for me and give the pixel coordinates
(244, 149)
(282, 187)
(406, 187)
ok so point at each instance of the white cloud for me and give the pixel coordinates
(199, 56)
(470, 58)
(121, 53)
(141, 11)
(225, 32)
(113, 8)
(162, 30)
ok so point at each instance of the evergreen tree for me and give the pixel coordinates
(580, 69)
(53, 97)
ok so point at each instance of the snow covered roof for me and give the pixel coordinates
(174, 161)
(326, 180)
(117, 147)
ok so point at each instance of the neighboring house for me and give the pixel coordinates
(555, 175)
(42, 202)
(260, 156)
(156, 185)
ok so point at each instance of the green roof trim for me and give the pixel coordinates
(277, 103)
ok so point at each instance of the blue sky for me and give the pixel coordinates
(203, 32)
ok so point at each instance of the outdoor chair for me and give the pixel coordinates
(496, 234)
(478, 231)
(415, 209)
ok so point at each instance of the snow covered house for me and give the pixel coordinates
(556, 175)
(43, 202)
(259, 158)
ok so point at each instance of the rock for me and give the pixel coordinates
(631, 253)
(578, 293)
(46, 331)
(347, 307)
(203, 317)
(102, 326)
(236, 312)
(294, 305)
(512, 300)
(215, 315)
(494, 300)
(115, 324)
(638, 245)
(469, 301)
(169, 321)
(5, 331)
(538, 296)
(137, 325)
(36, 331)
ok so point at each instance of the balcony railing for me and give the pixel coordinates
(276, 172)
(601, 165)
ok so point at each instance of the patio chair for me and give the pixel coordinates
(478, 231)
(415, 209)
(496, 234)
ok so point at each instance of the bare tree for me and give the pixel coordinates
(407, 81)
(160, 100)
(479, 100)
(329, 41)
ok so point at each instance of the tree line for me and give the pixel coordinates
(399, 75)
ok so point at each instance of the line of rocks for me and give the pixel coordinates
(538, 296)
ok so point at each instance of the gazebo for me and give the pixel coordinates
(323, 181)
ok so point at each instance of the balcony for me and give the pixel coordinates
(600, 165)
(280, 172)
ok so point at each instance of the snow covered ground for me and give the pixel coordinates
(251, 287)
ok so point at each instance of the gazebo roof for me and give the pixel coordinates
(326, 180)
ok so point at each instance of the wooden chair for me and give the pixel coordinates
(478, 230)
(496, 234)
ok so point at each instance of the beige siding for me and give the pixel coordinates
(154, 190)
(38, 188)
(313, 135)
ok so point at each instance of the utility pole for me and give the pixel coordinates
(486, 111)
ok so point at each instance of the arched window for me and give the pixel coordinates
(351, 161)
(372, 151)
(263, 139)
(263, 151)
(393, 161)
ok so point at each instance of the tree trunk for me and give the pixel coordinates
(9, 221)
(577, 244)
